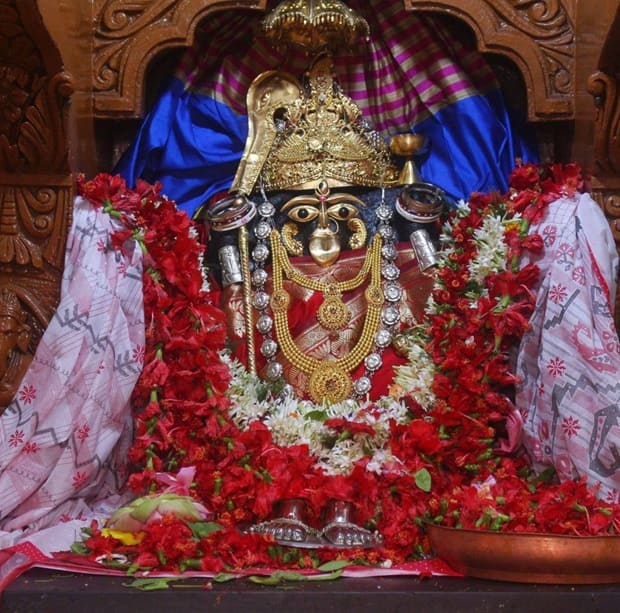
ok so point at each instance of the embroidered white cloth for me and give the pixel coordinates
(570, 359)
(64, 438)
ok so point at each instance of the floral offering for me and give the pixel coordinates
(442, 447)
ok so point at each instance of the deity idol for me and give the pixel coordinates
(323, 246)
(324, 249)
(330, 281)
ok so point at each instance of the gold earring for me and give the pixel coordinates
(360, 234)
(293, 246)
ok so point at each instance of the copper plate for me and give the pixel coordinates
(529, 557)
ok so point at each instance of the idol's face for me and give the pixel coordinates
(324, 219)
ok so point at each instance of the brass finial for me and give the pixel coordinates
(315, 25)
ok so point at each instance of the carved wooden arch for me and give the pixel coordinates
(128, 35)
(537, 35)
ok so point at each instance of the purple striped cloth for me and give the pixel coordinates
(412, 67)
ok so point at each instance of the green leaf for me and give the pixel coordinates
(316, 415)
(224, 577)
(423, 479)
(277, 577)
(140, 509)
(282, 576)
(334, 565)
(149, 585)
(202, 529)
(80, 549)
(325, 577)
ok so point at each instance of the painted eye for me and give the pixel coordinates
(342, 212)
(303, 214)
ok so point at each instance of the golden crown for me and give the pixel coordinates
(315, 24)
(301, 135)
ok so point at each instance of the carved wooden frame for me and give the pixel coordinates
(36, 182)
(537, 35)
(129, 34)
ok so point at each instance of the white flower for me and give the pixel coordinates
(492, 250)
(416, 377)
(341, 458)
(380, 459)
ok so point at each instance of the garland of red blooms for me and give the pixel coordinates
(452, 470)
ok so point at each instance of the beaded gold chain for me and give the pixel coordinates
(329, 380)
(333, 314)
(326, 286)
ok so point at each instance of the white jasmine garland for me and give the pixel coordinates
(417, 377)
(206, 285)
(492, 250)
(341, 458)
(247, 392)
(294, 422)
(382, 460)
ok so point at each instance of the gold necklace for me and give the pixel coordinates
(333, 314)
(330, 381)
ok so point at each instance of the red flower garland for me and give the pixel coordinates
(452, 471)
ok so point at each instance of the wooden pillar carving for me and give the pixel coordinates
(36, 187)
(604, 85)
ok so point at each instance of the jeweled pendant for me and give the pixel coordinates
(269, 348)
(383, 338)
(262, 230)
(384, 212)
(260, 300)
(373, 362)
(266, 209)
(390, 316)
(264, 324)
(393, 292)
(260, 253)
(329, 383)
(389, 252)
(333, 314)
(259, 277)
(390, 272)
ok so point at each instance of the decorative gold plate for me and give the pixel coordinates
(529, 557)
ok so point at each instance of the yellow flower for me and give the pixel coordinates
(127, 538)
